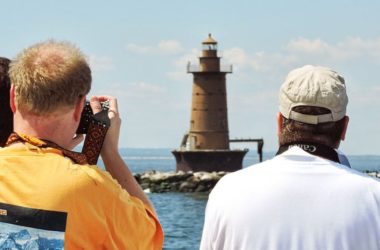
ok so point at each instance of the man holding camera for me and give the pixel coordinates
(306, 197)
(47, 189)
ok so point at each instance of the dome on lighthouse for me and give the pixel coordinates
(209, 40)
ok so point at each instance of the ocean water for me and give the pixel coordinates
(182, 215)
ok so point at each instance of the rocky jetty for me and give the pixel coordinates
(187, 182)
(375, 174)
(160, 182)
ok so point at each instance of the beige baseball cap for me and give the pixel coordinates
(313, 86)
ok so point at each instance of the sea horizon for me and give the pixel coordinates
(123, 149)
(161, 159)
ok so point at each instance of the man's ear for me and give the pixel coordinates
(345, 125)
(79, 108)
(279, 124)
(12, 101)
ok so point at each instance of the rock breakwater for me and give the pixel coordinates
(160, 182)
(187, 182)
(375, 174)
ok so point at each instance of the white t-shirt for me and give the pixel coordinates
(294, 201)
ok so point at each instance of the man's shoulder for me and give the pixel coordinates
(243, 176)
(11, 151)
(254, 169)
(59, 167)
(361, 178)
(98, 176)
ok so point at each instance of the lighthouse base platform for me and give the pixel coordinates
(209, 160)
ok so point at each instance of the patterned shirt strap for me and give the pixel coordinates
(76, 157)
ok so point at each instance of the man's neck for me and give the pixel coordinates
(57, 128)
(313, 148)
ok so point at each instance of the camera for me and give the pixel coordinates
(88, 116)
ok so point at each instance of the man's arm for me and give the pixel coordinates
(112, 159)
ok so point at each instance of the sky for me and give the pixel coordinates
(138, 51)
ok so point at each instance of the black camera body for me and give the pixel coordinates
(88, 116)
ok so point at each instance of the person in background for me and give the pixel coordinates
(47, 192)
(6, 121)
(306, 197)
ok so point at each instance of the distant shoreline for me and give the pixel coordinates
(251, 150)
(162, 160)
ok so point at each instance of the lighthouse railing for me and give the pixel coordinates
(196, 68)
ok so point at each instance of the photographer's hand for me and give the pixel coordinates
(111, 141)
(113, 161)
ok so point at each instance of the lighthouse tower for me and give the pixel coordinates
(209, 122)
(206, 146)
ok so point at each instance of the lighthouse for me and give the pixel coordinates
(206, 146)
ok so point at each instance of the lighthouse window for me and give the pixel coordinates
(210, 47)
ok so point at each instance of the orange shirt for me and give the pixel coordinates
(95, 212)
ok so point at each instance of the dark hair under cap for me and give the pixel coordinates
(6, 121)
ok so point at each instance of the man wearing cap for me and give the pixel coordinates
(307, 196)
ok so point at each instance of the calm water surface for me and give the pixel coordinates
(181, 216)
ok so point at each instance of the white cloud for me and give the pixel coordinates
(163, 47)
(237, 57)
(316, 51)
(170, 46)
(135, 90)
(349, 49)
(266, 62)
(191, 57)
(362, 47)
(304, 45)
(296, 52)
(101, 63)
(138, 49)
(319, 48)
(143, 90)
(180, 64)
